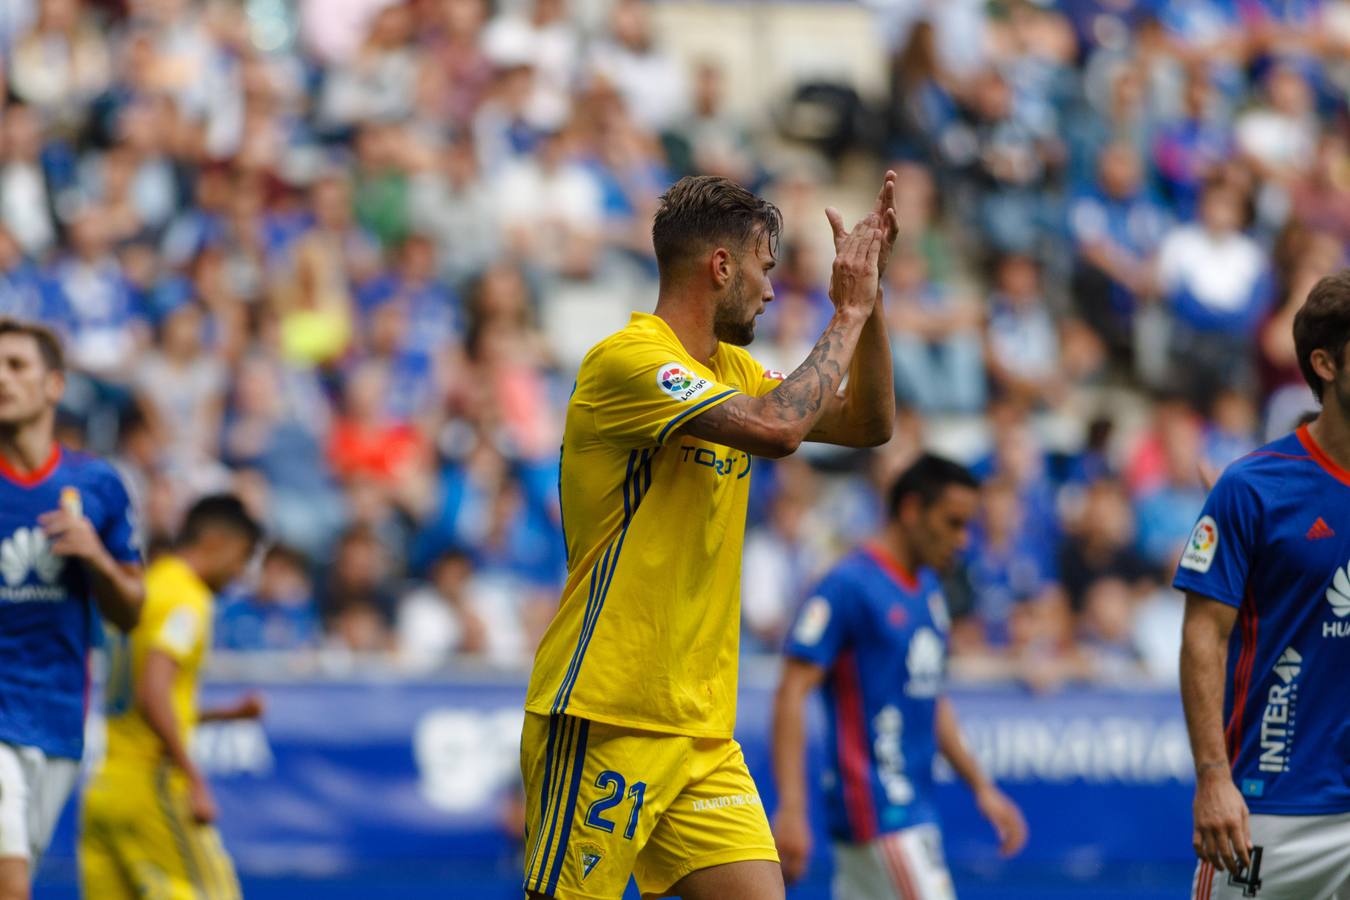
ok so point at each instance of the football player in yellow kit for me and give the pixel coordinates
(146, 825)
(627, 753)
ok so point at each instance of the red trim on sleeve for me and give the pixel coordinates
(35, 477)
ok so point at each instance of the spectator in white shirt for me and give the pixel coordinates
(1217, 285)
(1279, 137)
(1022, 352)
(552, 210)
(547, 41)
(25, 202)
(457, 615)
(652, 81)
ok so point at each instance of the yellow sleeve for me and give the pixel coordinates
(640, 391)
(757, 379)
(173, 622)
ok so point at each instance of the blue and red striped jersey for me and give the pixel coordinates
(47, 618)
(881, 634)
(1274, 541)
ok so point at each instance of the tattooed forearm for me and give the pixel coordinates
(774, 424)
(816, 379)
(864, 416)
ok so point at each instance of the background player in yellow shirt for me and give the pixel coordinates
(146, 827)
(627, 752)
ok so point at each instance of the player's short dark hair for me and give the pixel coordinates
(48, 344)
(1323, 323)
(929, 476)
(223, 511)
(701, 211)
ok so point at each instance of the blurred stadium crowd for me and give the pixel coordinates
(343, 256)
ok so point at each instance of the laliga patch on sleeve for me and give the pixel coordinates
(681, 382)
(1199, 553)
(179, 631)
(774, 375)
(812, 622)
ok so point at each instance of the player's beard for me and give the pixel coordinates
(1340, 394)
(733, 320)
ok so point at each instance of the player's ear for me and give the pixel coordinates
(911, 508)
(721, 267)
(54, 386)
(1324, 364)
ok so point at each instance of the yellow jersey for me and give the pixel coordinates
(176, 620)
(647, 632)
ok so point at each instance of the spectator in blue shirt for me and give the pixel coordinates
(1006, 165)
(1166, 512)
(1115, 227)
(935, 340)
(1191, 149)
(1022, 341)
(276, 426)
(1232, 430)
(25, 292)
(279, 614)
(1007, 564)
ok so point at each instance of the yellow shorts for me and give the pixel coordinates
(138, 840)
(604, 802)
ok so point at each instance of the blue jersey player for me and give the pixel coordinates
(67, 545)
(874, 635)
(1265, 658)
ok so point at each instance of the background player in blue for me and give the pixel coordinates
(66, 538)
(1264, 660)
(874, 634)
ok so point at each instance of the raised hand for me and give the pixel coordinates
(887, 219)
(855, 276)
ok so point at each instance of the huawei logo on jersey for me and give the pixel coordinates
(1338, 595)
(27, 552)
(925, 661)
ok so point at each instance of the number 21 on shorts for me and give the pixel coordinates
(614, 783)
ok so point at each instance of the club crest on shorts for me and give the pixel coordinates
(588, 856)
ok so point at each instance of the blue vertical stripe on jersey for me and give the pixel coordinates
(562, 518)
(608, 578)
(597, 577)
(577, 765)
(575, 661)
(661, 437)
(543, 794)
(564, 752)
